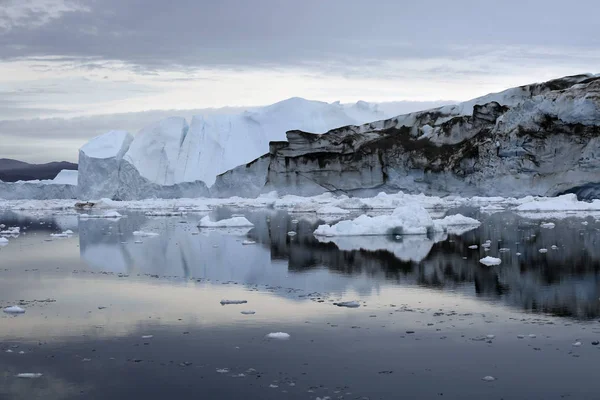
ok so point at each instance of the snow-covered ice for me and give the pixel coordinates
(547, 225)
(14, 310)
(278, 335)
(235, 222)
(145, 234)
(490, 261)
(29, 375)
(110, 214)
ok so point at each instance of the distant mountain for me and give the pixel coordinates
(14, 170)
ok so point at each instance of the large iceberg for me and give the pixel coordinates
(171, 159)
(63, 186)
(99, 164)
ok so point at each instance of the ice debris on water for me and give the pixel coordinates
(225, 302)
(547, 225)
(554, 247)
(474, 247)
(577, 344)
(533, 336)
(249, 312)
(14, 310)
(543, 250)
(235, 222)
(29, 375)
(3, 241)
(145, 234)
(278, 335)
(490, 261)
(488, 378)
(349, 304)
(147, 336)
(292, 233)
(248, 242)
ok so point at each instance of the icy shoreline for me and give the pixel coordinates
(551, 207)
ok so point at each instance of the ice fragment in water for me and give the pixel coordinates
(145, 234)
(147, 336)
(278, 335)
(489, 261)
(14, 310)
(531, 335)
(29, 375)
(543, 250)
(488, 378)
(248, 242)
(473, 247)
(249, 312)
(547, 225)
(577, 344)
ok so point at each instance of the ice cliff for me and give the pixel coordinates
(538, 139)
(171, 159)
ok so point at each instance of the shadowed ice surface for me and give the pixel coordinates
(110, 314)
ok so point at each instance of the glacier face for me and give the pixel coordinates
(99, 165)
(540, 139)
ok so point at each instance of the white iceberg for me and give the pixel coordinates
(278, 336)
(490, 261)
(235, 222)
(14, 310)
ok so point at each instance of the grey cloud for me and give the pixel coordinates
(155, 34)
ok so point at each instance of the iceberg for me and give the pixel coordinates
(99, 164)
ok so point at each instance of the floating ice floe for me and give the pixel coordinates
(410, 219)
(577, 344)
(226, 302)
(543, 250)
(490, 261)
(164, 213)
(65, 234)
(278, 335)
(13, 230)
(349, 304)
(3, 241)
(249, 312)
(473, 247)
(29, 375)
(547, 225)
(110, 214)
(292, 233)
(248, 242)
(488, 378)
(235, 222)
(147, 336)
(145, 234)
(332, 210)
(554, 247)
(567, 202)
(14, 310)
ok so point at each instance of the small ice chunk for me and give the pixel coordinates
(584, 223)
(223, 370)
(14, 310)
(145, 234)
(29, 375)
(3, 241)
(490, 336)
(543, 250)
(577, 344)
(225, 302)
(554, 247)
(294, 221)
(278, 336)
(249, 312)
(248, 242)
(349, 304)
(521, 336)
(488, 378)
(490, 261)
(147, 336)
(547, 225)
(533, 336)
(235, 222)
(292, 233)
(473, 247)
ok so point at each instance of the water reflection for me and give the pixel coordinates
(563, 281)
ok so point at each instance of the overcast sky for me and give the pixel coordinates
(92, 59)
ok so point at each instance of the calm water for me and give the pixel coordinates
(427, 306)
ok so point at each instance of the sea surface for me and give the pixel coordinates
(113, 315)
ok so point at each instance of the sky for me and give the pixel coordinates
(70, 69)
